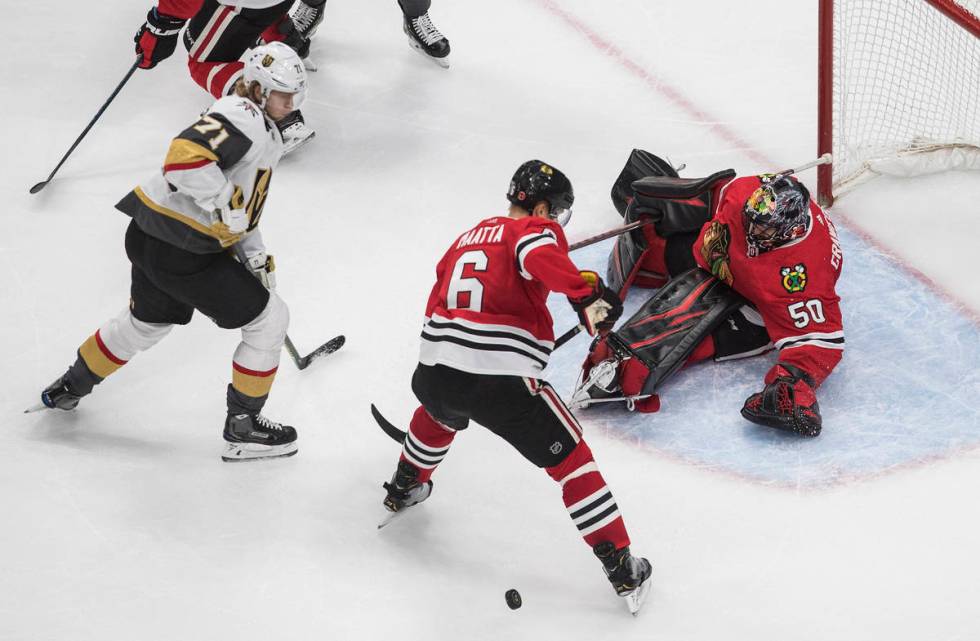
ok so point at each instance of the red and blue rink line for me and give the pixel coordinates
(906, 393)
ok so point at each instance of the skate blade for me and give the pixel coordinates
(310, 65)
(36, 408)
(635, 599)
(389, 517)
(238, 452)
(442, 62)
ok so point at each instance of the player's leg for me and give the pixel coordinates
(428, 439)
(149, 317)
(218, 35)
(530, 415)
(423, 36)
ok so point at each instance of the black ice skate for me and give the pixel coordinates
(629, 575)
(58, 395)
(294, 132)
(426, 39)
(404, 491)
(253, 436)
(307, 16)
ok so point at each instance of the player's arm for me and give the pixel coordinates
(195, 162)
(540, 257)
(810, 338)
(156, 39)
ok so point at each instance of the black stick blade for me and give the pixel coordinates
(329, 347)
(38, 187)
(393, 432)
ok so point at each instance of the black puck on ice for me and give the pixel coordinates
(513, 598)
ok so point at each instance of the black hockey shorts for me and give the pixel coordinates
(525, 412)
(169, 283)
(220, 33)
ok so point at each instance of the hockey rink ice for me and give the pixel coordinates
(119, 520)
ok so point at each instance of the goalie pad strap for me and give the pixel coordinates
(667, 328)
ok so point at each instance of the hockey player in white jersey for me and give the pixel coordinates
(194, 244)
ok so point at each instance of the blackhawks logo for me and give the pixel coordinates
(794, 279)
(714, 250)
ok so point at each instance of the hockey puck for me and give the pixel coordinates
(513, 598)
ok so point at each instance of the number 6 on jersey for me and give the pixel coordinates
(470, 286)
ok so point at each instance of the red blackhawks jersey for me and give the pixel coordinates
(487, 312)
(792, 286)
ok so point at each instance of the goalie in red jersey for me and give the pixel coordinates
(744, 265)
(486, 339)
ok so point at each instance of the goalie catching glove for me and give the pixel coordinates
(787, 402)
(599, 310)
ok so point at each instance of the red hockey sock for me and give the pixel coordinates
(217, 78)
(426, 444)
(589, 501)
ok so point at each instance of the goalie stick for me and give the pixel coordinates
(592, 240)
(302, 362)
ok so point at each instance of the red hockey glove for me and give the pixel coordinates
(157, 38)
(599, 310)
(787, 403)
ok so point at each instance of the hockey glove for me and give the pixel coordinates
(598, 311)
(157, 38)
(787, 403)
(263, 267)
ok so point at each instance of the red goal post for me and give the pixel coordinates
(898, 90)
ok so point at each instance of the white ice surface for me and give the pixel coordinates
(119, 521)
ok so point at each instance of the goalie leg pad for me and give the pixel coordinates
(658, 339)
(640, 164)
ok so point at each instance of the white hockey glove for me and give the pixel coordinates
(263, 267)
(229, 206)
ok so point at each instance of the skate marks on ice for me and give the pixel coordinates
(906, 393)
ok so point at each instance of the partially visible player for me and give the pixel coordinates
(423, 36)
(486, 339)
(217, 36)
(775, 248)
(194, 243)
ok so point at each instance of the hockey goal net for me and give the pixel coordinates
(899, 89)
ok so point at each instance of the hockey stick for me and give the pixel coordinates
(822, 160)
(41, 185)
(302, 362)
(393, 432)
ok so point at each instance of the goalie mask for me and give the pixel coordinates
(535, 181)
(276, 67)
(776, 213)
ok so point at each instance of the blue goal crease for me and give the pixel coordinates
(906, 392)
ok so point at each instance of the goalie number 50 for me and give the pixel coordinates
(804, 313)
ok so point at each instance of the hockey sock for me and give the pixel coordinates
(111, 347)
(426, 443)
(589, 501)
(256, 359)
(216, 78)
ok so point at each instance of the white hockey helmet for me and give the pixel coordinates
(276, 67)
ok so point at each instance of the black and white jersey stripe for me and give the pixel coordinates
(483, 348)
(526, 244)
(421, 455)
(828, 340)
(594, 511)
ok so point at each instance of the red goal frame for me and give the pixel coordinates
(825, 91)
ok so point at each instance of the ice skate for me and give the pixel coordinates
(57, 395)
(307, 16)
(404, 491)
(426, 39)
(629, 575)
(295, 132)
(253, 436)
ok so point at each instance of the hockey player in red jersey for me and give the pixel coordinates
(487, 336)
(217, 36)
(777, 251)
(194, 243)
